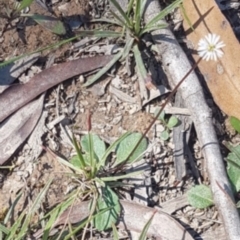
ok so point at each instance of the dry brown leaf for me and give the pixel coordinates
(18, 95)
(134, 218)
(16, 129)
(222, 77)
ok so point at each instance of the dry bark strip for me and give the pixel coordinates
(177, 65)
(18, 95)
(134, 218)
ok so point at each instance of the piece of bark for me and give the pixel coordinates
(177, 65)
(174, 204)
(134, 218)
(17, 96)
(181, 135)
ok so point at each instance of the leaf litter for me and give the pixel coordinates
(105, 112)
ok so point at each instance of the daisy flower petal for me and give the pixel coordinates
(209, 47)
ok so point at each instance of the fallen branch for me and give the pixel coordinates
(176, 65)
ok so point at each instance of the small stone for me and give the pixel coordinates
(116, 120)
(81, 79)
(160, 128)
(117, 82)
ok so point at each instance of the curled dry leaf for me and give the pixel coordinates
(222, 77)
(12, 71)
(18, 95)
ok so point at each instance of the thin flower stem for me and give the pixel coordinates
(164, 105)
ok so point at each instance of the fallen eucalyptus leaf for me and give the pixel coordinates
(16, 129)
(18, 95)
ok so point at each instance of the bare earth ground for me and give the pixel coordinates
(111, 116)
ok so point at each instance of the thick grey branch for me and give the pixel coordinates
(176, 65)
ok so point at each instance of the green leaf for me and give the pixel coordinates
(50, 23)
(75, 161)
(112, 148)
(153, 28)
(106, 20)
(115, 232)
(233, 167)
(109, 200)
(137, 17)
(139, 63)
(143, 234)
(164, 135)
(200, 196)
(79, 153)
(120, 21)
(235, 122)
(20, 226)
(24, 4)
(140, 6)
(99, 147)
(4, 230)
(98, 33)
(185, 16)
(127, 48)
(121, 11)
(164, 13)
(172, 122)
(238, 204)
(12, 208)
(161, 117)
(125, 176)
(126, 146)
(103, 70)
(130, 6)
(55, 213)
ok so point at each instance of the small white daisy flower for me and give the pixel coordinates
(209, 47)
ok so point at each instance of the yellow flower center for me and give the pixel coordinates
(211, 48)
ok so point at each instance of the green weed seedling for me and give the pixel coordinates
(22, 225)
(168, 124)
(52, 24)
(200, 196)
(132, 31)
(100, 168)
